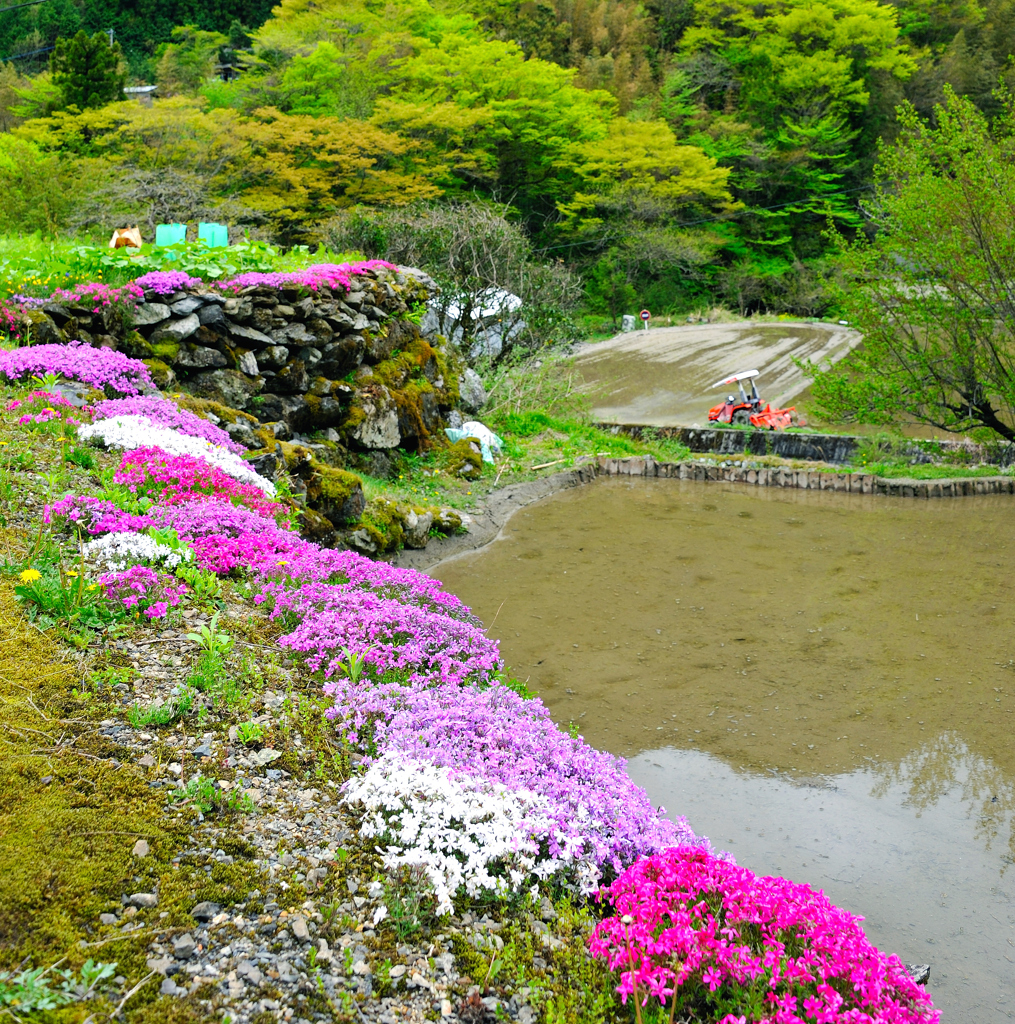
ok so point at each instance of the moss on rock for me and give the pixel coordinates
(167, 351)
(135, 346)
(162, 373)
(335, 493)
(71, 808)
(464, 458)
(206, 408)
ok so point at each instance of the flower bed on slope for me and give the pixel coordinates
(463, 779)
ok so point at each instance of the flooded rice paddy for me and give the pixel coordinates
(822, 683)
(664, 377)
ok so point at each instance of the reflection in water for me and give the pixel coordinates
(946, 766)
(797, 644)
(925, 885)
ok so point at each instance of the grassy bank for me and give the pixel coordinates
(173, 848)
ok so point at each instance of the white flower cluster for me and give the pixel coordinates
(119, 550)
(130, 432)
(459, 831)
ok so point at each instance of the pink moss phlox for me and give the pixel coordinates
(99, 295)
(321, 275)
(155, 474)
(99, 367)
(419, 643)
(11, 322)
(143, 590)
(165, 282)
(45, 407)
(166, 413)
(686, 918)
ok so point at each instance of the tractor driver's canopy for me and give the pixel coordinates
(737, 378)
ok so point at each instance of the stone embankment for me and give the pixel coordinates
(808, 479)
(837, 449)
(321, 381)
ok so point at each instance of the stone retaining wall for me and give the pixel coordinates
(834, 448)
(296, 359)
(805, 479)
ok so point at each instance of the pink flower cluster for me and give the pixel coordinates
(321, 275)
(712, 938)
(166, 413)
(155, 474)
(46, 407)
(141, 589)
(99, 295)
(165, 282)
(99, 367)
(10, 319)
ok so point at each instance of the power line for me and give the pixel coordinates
(724, 217)
(29, 3)
(30, 53)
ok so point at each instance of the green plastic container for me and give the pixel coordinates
(213, 234)
(170, 234)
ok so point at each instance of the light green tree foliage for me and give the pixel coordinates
(494, 119)
(932, 293)
(35, 188)
(185, 64)
(781, 92)
(36, 97)
(291, 170)
(797, 60)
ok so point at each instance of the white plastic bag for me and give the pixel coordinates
(489, 442)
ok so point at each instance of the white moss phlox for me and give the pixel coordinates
(119, 550)
(130, 432)
(458, 830)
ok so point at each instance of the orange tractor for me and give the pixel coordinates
(749, 411)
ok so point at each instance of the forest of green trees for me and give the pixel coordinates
(671, 153)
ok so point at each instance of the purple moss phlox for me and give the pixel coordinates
(99, 367)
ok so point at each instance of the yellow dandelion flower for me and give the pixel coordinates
(281, 563)
(71, 572)
(30, 576)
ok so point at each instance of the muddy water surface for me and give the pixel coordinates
(822, 683)
(664, 377)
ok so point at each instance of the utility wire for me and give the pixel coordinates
(724, 217)
(30, 53)
(30, 3)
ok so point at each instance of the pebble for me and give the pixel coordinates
(141, 848)
(144, 900)
(184, 946)
(205, 911)
(299, 929)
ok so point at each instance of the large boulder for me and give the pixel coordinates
(376, 421)
(230, 387)
(471, 391)
(176, 330)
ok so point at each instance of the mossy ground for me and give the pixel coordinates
(73, 801)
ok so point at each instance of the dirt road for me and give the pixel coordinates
(663, 376)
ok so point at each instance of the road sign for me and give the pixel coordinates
(644, 314)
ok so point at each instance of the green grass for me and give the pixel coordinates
(926, 471)
(31, 265)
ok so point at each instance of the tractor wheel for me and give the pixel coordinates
(742, 418)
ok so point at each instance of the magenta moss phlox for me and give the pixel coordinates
(727, 940)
